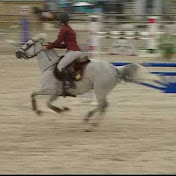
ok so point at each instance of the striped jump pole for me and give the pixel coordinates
(127, 42)
(121, 42)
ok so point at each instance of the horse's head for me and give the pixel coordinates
(31, 48)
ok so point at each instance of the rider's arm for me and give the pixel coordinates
(61, 46)
(58, 43)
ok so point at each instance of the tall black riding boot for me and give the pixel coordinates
(68, 82)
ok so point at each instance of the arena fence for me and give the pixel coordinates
(127, 42)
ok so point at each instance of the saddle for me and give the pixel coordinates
(75, 69)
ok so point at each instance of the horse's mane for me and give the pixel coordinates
(36, 38)
(39, 36)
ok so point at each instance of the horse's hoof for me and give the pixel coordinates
(39, 113)
(88, 130)
(66, 109)
(56, 109)
(94, 124)
(59, 111)
(89, 114)
(86, 120)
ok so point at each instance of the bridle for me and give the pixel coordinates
(22, 51)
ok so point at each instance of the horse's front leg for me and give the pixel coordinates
(52, 98)
(34, 103)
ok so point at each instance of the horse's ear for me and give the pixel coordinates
(39, 36)
(42, 35)
(35, 38)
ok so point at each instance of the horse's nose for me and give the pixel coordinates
(18, 54)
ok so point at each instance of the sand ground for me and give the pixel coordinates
(136, 136)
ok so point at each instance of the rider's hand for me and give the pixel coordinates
(44, 48)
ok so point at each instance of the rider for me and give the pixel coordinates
(66, 39)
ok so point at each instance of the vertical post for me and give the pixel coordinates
(152, 22)
(25, 31)
(94, 27)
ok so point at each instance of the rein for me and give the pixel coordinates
(23, 53)
(25, 56)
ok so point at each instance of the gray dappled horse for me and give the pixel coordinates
(100, 76)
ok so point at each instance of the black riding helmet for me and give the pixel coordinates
(64, 18)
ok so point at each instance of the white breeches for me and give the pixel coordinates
(69, 57)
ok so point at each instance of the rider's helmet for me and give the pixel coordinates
(64, 18)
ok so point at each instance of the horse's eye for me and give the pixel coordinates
(28, 45)
(21, 50)
(24, 47)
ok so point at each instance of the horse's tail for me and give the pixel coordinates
(136, 73)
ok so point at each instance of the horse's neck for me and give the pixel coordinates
(46, 58)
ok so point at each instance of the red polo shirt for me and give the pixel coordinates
(66, 39)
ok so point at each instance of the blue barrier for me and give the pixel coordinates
(169, 87)
(165, 73)
(150, 64)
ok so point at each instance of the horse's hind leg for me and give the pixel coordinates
(52, 98)
(102, 104)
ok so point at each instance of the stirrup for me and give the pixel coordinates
(69, 85)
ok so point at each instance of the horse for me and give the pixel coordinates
(101, 76)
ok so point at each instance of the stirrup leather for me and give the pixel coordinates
(67, 80)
